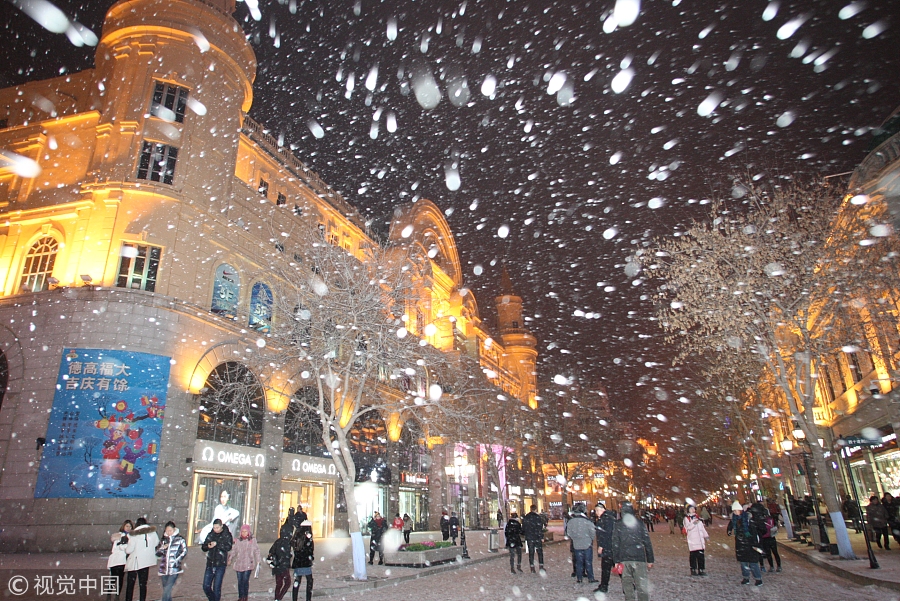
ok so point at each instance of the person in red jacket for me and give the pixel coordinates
(398, 522)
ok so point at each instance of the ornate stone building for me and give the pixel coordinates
(135, 204)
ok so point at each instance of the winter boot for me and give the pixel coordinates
(745, 581)
(532, 570)
(693, 572)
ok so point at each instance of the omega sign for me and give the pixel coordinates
(304, 466)
(233, 458)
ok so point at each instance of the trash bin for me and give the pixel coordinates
(494, 541)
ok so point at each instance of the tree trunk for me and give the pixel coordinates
(393, 461)
(356, 541)
(832, 501)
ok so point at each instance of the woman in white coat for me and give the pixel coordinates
(117, 556)
(141, 551)
(696, 540)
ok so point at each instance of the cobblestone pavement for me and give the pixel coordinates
(670, 579)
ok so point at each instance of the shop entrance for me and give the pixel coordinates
(316, 500)
(228, 498)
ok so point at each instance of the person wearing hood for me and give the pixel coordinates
(581, 531)
(513, 535)
(171, 551)
(244, 558)
(279, 559)
(746, 543)
(454, 527)
(445, 526)
(304, 556)
(141, 550)
(216, 546)
(605, 525)
(633, 555)
(697, 535)
(377, 527)
(118, 555)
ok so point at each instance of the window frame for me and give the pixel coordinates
(151, 159)
(149, 263)
(165, 94)
(46, 261)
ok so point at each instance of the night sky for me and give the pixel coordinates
(563, 186)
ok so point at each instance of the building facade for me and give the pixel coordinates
(137, 200)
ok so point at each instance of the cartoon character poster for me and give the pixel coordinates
(104, 431)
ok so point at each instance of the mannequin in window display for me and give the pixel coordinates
(229, 516)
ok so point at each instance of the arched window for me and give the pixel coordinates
(39, 265)
(302, 426)
(232, 406)
(226, 291)
(261, 307)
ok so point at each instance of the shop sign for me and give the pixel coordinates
(555, 503)
(529, 491)
(858, 441)
(515, 490)
(304, 466)
(225, 456)
(413, 478)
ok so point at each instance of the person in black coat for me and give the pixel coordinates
(605, 524)
(217, 545)
(377, 527)
(513, 534)
(454, 527)
(304, 556)
(533, 531)
(279, 559)
(746, 543)
(632, 548)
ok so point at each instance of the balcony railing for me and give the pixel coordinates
(256, 132)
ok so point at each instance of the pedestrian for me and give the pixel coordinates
(244, 558)
(499, 518)
(407, 527)
(892, 508)
(746, 543)
(647, 516)
(445, 526)
(304, 556)
(670, 518)
(171, 552)
(297, 517)
(533, 531)
(397, 523)
(774, 510)
(878, 522)
(513, 535)
(118, 556)
(217, 545)
(377, 527)
(705, 516)
(851, 510)
(454, 527)
(141, 550)
(582, 532)
(770, 545)
(605, 524)
(279, 559)
(696, 539)
(633, 555)
(679, 519)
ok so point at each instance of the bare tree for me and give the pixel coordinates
(776, 275)
(338, 336)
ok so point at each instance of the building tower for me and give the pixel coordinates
(519, 344)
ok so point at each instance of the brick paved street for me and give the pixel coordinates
(670, 578)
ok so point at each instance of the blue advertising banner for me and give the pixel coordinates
(105, 426)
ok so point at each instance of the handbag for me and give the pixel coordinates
(618, 569)
(683, 530)
(270, 560)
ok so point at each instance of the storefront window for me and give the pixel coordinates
(887, 467)
(302, 426)
(415, 503)
(231, 406)
(223, 497)
(316, 499)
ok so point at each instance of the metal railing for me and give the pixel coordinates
(256, 132)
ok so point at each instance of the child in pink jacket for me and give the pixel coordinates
(244, 557)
